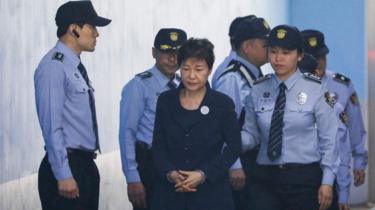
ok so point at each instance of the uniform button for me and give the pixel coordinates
(186, 148)
(262, 108)
(83, 89)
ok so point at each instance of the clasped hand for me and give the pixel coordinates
(186, 181)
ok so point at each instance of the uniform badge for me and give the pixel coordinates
(76, 75)
(313, 41)
(301, 98)
(281, 33)
(173, 36)
(344, 118)
(331, 98)
(266, 94)
(266, 24)
(205, 110)
(58, 56)
(354, 99)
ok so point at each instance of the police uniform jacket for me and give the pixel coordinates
(197, 147)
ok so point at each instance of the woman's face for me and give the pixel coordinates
(194, 73)
(283, 61)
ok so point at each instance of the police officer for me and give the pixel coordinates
(288, 115)
(343, 92)
(232, 54)
(249, 40)
(68, 177)
(137, 114)
(343, 181)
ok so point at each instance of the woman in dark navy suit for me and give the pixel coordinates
(193, 123)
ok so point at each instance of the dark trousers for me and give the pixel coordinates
(288, 187)
(86, 175)
(244, 199)
(143, 156)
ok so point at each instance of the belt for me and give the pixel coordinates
(81, 153)
(290, 165)
(142, 145)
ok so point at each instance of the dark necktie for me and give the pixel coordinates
(83, 72)
(276, 129)
(171, 84)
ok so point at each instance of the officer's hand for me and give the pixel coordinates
(68, 188)
(237, 178)
(359, 177)
(344, 206)
(325, 196)
(137, 194)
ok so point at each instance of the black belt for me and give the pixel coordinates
(81, 153)
(290, 165)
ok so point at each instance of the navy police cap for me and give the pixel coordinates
(251, 29)
(285, 36)
(169, 39)
(79, 12)
(314, 42)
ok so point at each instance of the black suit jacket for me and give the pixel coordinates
(198, 147)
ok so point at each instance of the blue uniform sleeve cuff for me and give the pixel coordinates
(359, 163)
(328, 177)
(132, 177)
(236, 165)
(63, 172)
(344, 196)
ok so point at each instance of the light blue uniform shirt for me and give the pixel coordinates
(345, 92)
(137, 116)
(237, 87)
(221, 68)
(63, 107)
(343, 178)
(310, 124)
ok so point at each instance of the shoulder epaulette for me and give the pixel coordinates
(262, 79)
(58, 56)
(237, 66)
(144, 75)
(232, 67)
(341, 78)
(312, 77)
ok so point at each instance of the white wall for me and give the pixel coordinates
(123, 49)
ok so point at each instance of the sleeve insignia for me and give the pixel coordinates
(312, 77)
(58, 56)
(330, 99)
(341, 78)
(354, 99)
(144, 75)
(262, 79)
(344, 118)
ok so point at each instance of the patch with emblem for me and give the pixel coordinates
(354, 99)
(301, 98)
(313, 42)
(262, 79)
(145, 74)
(58, 56)
(330, 99)
(281, 33)
(312, 77)
(341, 78)
(344, 118)
(173, 36)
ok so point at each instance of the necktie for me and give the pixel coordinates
(171, 84)
(83, 72)
(276, 130)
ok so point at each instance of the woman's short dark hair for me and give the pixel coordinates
(197, 48)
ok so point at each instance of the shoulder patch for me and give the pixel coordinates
(262, 79)
(58, 56)
(344, 118)
(341, 78)
(354, 99)
(312, 77)
(144, 75)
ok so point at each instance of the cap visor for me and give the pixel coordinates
(100, 21)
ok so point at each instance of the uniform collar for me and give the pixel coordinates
(255, 70)
(68, 53)
(290, 82)
(160, 77)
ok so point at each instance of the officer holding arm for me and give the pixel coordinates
(137, 115)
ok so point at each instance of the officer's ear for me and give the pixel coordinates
(300, 56)
(73, 30)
